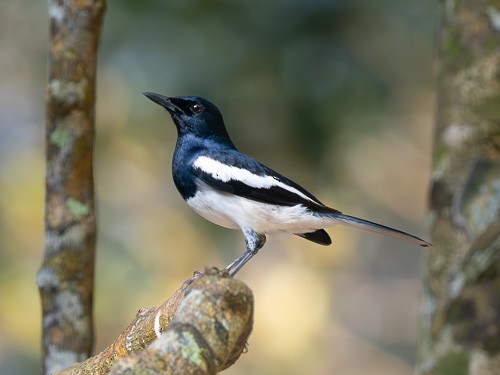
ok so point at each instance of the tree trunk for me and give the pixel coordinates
(66, 276)
(460, 316)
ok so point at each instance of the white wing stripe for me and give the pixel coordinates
(224, 173)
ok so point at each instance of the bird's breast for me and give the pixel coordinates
(213, 206)
(184, 180)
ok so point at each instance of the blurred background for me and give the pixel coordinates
(335, 94)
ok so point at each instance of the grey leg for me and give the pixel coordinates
(254, 242)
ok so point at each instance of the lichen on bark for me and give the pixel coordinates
(65, 279)
(203, 329)
(460, 315)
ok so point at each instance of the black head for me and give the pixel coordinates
(192, 115)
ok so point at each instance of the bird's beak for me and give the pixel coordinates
(165, 102)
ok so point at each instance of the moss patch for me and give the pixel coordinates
(454, 364)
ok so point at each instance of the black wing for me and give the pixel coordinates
(273, 194)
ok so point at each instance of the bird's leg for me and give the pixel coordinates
(254, 242)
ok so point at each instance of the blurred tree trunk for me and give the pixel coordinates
(66, 276)
(460, 316)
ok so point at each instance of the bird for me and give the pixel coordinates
(234, 190)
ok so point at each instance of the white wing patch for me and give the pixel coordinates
(225, 173)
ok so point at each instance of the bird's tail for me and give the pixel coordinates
(377, 228)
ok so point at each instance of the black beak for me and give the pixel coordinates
(165, 102)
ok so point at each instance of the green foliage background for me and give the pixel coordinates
(335, 94)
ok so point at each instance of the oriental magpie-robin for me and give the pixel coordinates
(235, 191)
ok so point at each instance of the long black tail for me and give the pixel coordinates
(378, 228)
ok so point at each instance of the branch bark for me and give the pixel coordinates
(460, 317)
(65, 279)
(204, 327)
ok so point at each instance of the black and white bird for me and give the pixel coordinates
(235, 191)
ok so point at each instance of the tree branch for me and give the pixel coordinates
(204, 326)
(65, 279)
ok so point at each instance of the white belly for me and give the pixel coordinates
(231, 211)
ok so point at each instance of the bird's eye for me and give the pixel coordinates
(196, 108)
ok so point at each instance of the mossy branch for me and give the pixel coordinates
(204, 327)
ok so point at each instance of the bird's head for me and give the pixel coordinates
(192, 115)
